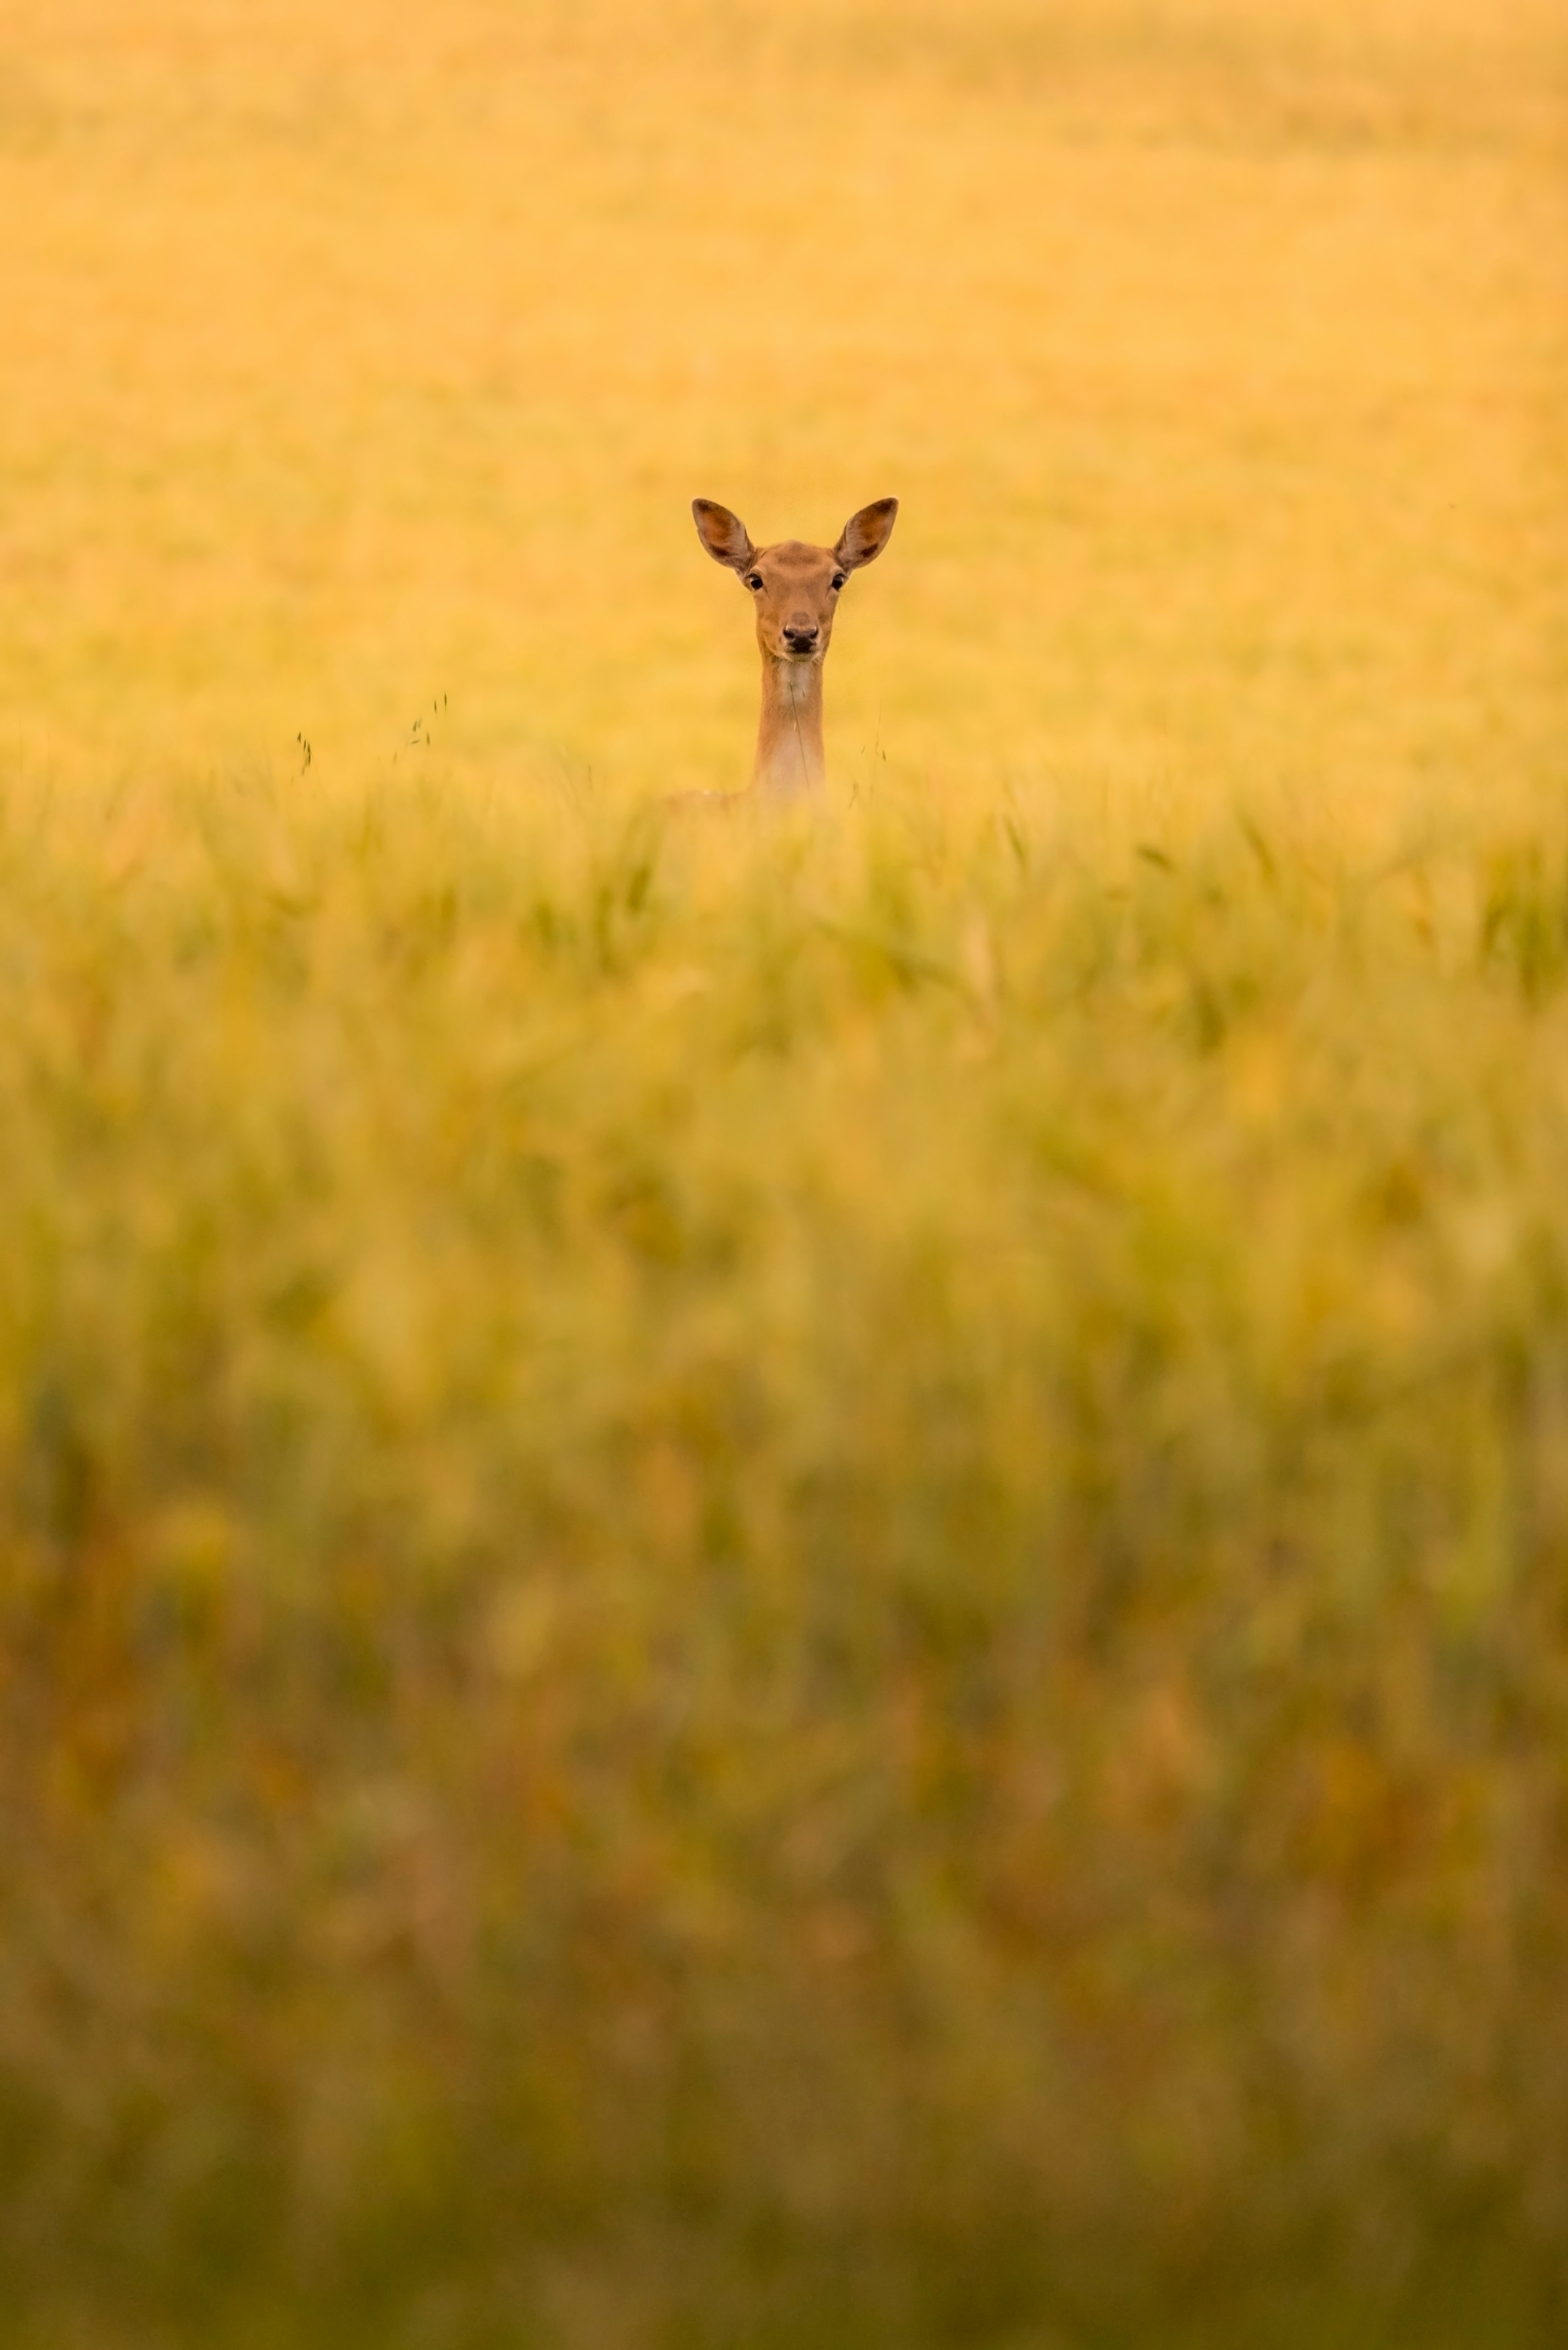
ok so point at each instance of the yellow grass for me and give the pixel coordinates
(1216, 351)
(806, 1589)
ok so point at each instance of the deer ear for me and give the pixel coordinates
(865, 533)
(724, 535)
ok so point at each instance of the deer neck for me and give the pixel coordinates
(790, 760)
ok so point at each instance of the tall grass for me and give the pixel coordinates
(802, 1591)
(1215, 349)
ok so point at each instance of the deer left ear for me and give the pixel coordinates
(865, 533)
(724, 535)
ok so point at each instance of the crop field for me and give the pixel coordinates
(793, 1588)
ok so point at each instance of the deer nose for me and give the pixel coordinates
(800, 635)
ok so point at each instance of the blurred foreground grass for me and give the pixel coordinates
(806, 1592)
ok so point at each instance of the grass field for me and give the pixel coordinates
(804, 1590)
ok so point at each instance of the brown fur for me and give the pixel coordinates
(795, 588)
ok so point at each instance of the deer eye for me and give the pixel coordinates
(754, 580)
(838, 578)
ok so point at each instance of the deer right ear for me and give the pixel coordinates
(865, 533)
(724, 535)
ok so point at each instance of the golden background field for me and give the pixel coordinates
(360, 360)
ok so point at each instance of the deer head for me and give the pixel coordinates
(794, 586)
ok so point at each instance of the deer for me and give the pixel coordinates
(794, 588)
